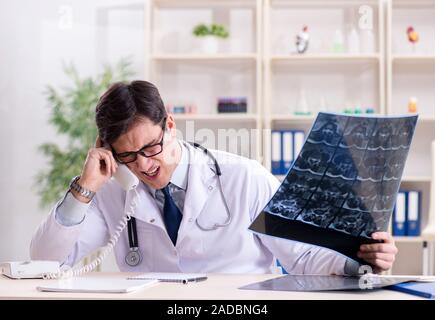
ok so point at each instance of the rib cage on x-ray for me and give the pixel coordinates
(345, 180)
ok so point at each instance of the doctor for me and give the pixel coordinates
(181, 199)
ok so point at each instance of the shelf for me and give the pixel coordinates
(204, 57)
(204, 4)
(321, 3)
(427, 118)
(409, 58)
(416, 179)
(293, 118)
(408, 239)
(217, 117)
(421, 118)
(280, 177)
(333, 57)
(401, 4)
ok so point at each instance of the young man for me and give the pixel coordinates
(188, 218)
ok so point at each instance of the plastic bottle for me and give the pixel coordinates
(302, 106)
(367, 41)
(353, 43)
(338, 44)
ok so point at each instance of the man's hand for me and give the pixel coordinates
(380, 255)
(97, 170)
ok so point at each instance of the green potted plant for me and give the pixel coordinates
(210, 36)
(73, 116)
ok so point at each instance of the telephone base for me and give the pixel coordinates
(33, 269)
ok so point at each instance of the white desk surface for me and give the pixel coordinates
(216, 287)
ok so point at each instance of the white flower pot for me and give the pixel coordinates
(210, 44)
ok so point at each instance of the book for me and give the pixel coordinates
(96, 285)
(171, 277)
(343, 185)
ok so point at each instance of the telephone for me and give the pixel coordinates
(50, 269)
(126, 178)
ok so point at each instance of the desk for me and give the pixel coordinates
(217, 287)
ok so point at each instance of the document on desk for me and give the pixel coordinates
(96, 285)
(323, 283)
(343, 185)
(171, 277)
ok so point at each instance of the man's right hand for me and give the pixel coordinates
(97, 170)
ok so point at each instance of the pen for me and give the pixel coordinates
(186, 281)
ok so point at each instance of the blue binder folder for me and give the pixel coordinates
(413, 213)
(399, 214)
(287, 150)
(422, 289)
(276, 152)
(299, 139)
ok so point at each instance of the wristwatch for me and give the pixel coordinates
(78, 188)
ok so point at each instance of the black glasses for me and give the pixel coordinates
(146, 151)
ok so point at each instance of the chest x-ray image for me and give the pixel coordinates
(343, 185)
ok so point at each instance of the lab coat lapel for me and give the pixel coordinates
(201, 181)
(146, 207)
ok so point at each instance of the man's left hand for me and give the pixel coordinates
(380, 255)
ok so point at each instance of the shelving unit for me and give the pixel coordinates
(205, 57)
(186, 73)
(212, 117)
(337, 78)
(260, 63)
(408, 239)
(310, 58)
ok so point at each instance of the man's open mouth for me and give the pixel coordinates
(153, 172)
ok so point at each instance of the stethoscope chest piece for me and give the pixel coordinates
(133, 257)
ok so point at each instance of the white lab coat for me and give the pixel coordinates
(247, 187)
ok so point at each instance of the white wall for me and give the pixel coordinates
(36, 37)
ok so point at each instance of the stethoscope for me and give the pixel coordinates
(133, 257)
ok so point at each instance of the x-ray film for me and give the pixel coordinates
(324, 283)
(343, 185)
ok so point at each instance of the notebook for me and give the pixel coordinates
(422, 289)
(99, 285)
(171, 277)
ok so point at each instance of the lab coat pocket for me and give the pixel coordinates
(193, 247)
(146, 246)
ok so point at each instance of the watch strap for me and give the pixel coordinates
(74, 185)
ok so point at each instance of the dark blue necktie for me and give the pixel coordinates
(171, 215)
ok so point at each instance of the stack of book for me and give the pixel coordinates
(232, 105)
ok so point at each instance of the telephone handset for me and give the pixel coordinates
(129, 182)
(126, 178)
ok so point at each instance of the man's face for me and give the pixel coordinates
(155, 171)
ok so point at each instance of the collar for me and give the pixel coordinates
(181, 172)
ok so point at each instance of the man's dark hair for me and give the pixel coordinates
(123, 104)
